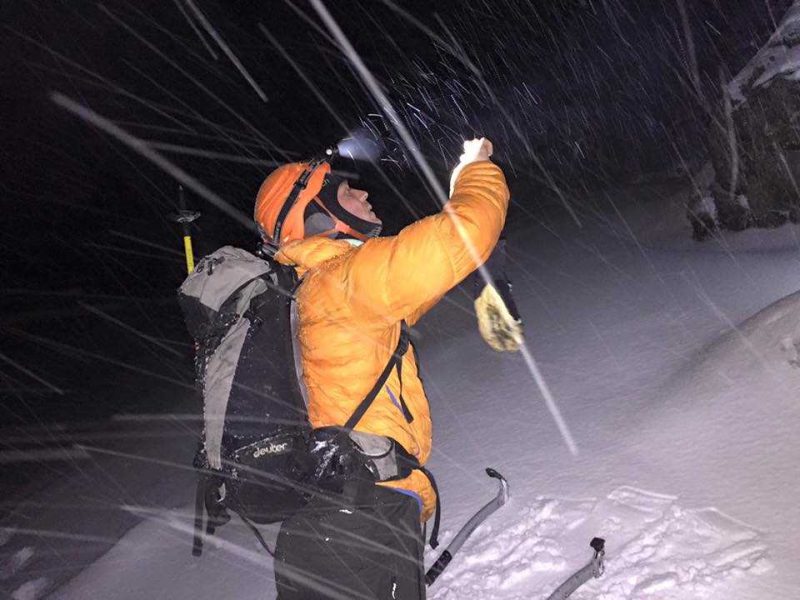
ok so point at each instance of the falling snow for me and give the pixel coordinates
(655, 402)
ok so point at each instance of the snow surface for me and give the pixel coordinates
(671, 362)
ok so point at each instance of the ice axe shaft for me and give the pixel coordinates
(185, 217)
(189, 251)
(594, 568)
(461, 537)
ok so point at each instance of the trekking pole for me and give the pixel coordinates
(461, 537)
(594, 568)
(186, 217)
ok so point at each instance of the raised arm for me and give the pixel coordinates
(400, 276)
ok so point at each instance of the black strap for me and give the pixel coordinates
(199, 505)
(299, 186)
(397, 359)
(199, 508)
(256, 532)
(394, 360)
(403, 456)
(406, 463)
(406, 412)
(434, 540)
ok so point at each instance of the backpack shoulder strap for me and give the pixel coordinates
(410, 461)
(394, 360)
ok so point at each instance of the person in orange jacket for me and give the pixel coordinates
(358, 295)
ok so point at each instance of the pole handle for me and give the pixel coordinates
(437, 568)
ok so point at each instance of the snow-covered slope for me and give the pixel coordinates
(721, 433)
(670, 363)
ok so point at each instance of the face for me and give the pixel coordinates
(355, 202)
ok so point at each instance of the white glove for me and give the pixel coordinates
(474, 151)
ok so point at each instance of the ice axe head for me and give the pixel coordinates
(598, 565)
(503, 484)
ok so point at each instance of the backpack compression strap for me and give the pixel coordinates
(394, 361)
(411, 462)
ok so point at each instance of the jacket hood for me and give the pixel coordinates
(311, 252)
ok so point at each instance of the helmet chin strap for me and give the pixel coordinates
(297, 189)
(357, 228)
(341, 229)
(347, 230)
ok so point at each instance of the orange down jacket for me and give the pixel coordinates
(353, 298)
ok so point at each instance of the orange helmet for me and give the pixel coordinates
(285, 195)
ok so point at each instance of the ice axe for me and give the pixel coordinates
(593, 569)
(461, 537)
(186, 217)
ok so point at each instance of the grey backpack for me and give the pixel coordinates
(258, 455)
(252, 457)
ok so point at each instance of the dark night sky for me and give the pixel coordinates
(592, 84)
(595, 89)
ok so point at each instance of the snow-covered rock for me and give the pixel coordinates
(754, 143)
(780, 57)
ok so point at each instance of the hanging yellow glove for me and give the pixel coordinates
(498, 322)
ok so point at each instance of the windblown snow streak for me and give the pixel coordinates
(31, 590)
(13, 563)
